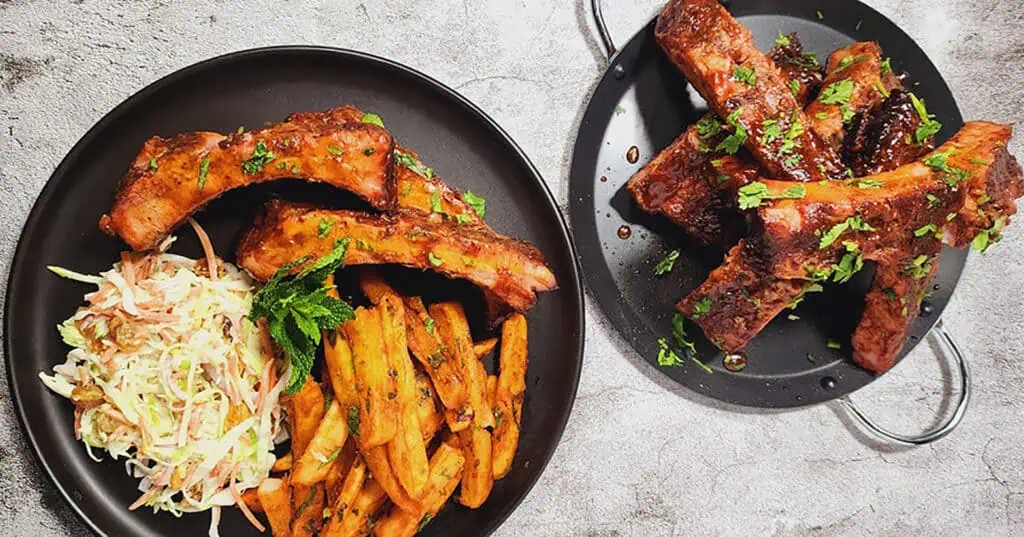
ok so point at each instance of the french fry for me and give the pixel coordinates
(374, 286)
(315, 463)
(430, 419)
(492, 387)
(454, 330)
(275, 499)
(509, 393)
(252, 500)
(377, 461)
(482, 348)
(339, 469)
(407, 453)
(308, 514)
(446, 467)
(353, 483)
(426, 345)
(283, 463)
(306, 409)
(374, 380)
(477, 478)
(354, 520)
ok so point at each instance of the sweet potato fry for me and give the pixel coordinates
(314, 464)
(283, 463)
(453, 327)
(426, 345)
(275, 498)
(509, 393)
(374, 381)
(477, 478)
(252, 501)
(482, 348)
(354, 520)
(377, 461)
(446, 467)
(406, 451)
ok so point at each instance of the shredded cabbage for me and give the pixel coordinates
(167, 371)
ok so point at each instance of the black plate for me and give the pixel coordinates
(250, 88)
(644, 101)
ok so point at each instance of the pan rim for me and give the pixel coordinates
(127, 105)
(583, 175)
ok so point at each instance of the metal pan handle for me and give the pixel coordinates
(940, 333)
(602, 29)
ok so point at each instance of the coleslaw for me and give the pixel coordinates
(167, 371)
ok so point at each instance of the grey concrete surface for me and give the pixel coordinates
(640, 457)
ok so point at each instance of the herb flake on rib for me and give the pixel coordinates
(413, 164)
(752, 195)
(855, 222)
(260, 158)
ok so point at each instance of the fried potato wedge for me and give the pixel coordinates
(430, 419)
(326, 445)
(351, 486)
(406, 451)
(355, 519)
(509, 394)
(283, 463)
(453, 327)
(306, 409)
(275, 499)
(477, 478)
(339, 469)
(308, 515)
(482, 348)
(374, 381)
(437, 360)
(446, 467)
(380, 467)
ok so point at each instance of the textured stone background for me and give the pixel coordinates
(640, 457)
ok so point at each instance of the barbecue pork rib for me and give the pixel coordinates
(854, 84)
(798, 67)
(950, 191)
(718, 57)
(513, 270)
(883, 139)
(172, 178)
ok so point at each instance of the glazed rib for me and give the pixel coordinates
(854, 85)
(883, 139)
(172, 178)
(796, 65)
(787, 232)
(514, 271)
(710, 47)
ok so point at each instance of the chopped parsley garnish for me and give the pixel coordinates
(364, 246)
(919, 267)
(435, 203)
(295, 169)
(881, 88)
(335, 150)
(745, 75)
(667, 263)
(369, 151)
(821, 115)
(869, 183)
(837, 92)
(809, 288)
(821, 16)
(298, 308)
(619, 110)
(701, 307)
(924, 230)
(373, 119)
(679, 334)
(752, 195)
(428, 323)
(434, 260)
(260, 158)
(850, 264)
(478, 203)
(928, 126)
(811, 358)
(980, 161)
(324, 227)
(666, 356)
(423, 522)
(986, 238)
(708, 126)
(848, 61)
(789, 141)
(833, 344)
(854, 222)
(772, 131)
(794, 87)
(932, 200)
(793, 317)
(435, 360)
(410, 162)
(938, 162)
(353, 420)
(782, 40)
(886, 66)
(792, 160)
(152, 163)
(950, 216)
(462, 218)
(204, 168)
(732, 143)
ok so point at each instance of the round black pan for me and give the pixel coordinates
(248, 89)
(644, 102)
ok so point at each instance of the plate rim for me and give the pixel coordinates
(581, 215)
(125, 106)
